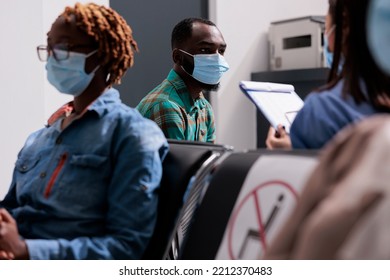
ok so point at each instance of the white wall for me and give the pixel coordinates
(27, 98)
(244, 25)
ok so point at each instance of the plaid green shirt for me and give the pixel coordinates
(178, 115)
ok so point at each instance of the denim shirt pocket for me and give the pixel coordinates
(25, 164)
(86, 180)
(24, 172)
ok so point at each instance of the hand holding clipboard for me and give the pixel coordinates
(278, 102)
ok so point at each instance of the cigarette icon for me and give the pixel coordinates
(274, 211)
(255, 234)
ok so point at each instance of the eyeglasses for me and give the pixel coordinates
(59, 51)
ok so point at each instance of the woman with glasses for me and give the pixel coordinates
(84, 187)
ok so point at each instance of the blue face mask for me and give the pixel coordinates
(378, 33)
(68, 76)
(208, 68)
(328, 54)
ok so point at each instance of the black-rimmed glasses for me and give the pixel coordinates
(59, 51)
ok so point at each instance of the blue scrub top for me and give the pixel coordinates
(323, 115)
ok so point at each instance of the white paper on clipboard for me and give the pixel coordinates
(278, 102)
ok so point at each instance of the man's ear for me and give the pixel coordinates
(177, 56)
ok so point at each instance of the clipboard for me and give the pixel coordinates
(279, 103)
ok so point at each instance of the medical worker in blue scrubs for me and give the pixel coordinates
(357, 88)
(325, 221)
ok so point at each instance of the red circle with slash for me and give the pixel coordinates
(253, 197)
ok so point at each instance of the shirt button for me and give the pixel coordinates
(24, 167)
(59, 140)
(42, 175)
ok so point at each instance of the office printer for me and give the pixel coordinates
(297, 43)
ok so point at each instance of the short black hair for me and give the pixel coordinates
(183, 30)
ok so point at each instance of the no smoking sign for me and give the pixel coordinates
(257, 217)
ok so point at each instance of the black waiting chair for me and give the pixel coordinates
(182, 164)
(193, 198)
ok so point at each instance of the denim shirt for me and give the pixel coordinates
(89, 191)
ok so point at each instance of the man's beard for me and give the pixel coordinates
(208, 87)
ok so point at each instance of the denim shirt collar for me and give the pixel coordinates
(110, 97)
(105, 102)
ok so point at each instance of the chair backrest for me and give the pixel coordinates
(182, 162)
(249, 196)
(193, 198)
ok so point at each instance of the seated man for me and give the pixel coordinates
(177, 105)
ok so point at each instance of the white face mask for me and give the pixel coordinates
(208, 68)
(68, 75)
